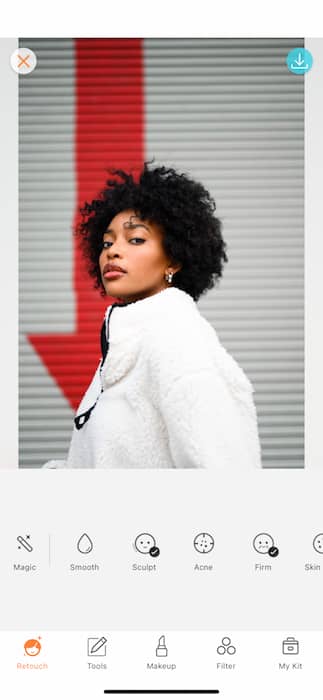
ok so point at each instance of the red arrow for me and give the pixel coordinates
(109, 132)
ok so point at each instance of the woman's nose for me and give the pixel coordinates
(113, 251)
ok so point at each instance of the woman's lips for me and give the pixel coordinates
(113, 274)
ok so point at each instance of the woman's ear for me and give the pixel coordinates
(174, 267)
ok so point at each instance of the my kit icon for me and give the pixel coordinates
(290, 646)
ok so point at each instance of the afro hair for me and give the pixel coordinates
(182, 207)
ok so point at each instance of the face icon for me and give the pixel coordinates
(204, 543)
(144, 543)
(133, 262)
(318, 543)
(32, 647)
(262, 543)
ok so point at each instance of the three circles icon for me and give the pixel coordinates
(226, 647)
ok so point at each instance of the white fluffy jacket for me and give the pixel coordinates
(172, 396)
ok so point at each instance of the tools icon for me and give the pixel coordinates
(24, 543)
(97, 646)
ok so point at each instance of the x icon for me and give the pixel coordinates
(23, 61)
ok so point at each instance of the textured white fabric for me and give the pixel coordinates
(173, 397)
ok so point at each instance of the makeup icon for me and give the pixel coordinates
(161, 647)
(24, 542)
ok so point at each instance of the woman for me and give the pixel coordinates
(166, 393)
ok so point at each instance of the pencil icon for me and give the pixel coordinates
(95, 644)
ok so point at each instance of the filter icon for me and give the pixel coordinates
(161, 647)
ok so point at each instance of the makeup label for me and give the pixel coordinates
(161, 667)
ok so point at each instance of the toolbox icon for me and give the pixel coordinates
(290, 646)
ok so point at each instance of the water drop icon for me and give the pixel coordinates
(85, 544)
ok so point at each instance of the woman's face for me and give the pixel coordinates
(133, 262)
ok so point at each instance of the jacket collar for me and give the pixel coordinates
(127, 324)
(141, 311)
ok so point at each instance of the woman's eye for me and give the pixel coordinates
(137, 241)
(106, 244)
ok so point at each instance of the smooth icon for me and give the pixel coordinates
(290, 646)
(264, 544)
(161, 647)
(97, 646)
(299, 61)
(226, 647)
(203, 543)
(23, 61)
(318, 543)
(146, 544)
(24, 542)
(85, 544)
(32, 647)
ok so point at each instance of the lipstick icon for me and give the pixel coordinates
(161, 647)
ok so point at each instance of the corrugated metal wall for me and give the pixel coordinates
(47, 202)
(229, 112)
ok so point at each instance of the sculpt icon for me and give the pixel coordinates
(204, 543)
(146, 544)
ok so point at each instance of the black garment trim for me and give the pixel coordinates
(79, 421)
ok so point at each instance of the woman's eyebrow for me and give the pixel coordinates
(134, 224)
(127, 224)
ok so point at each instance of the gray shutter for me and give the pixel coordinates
(230, 113)
(47, 202)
